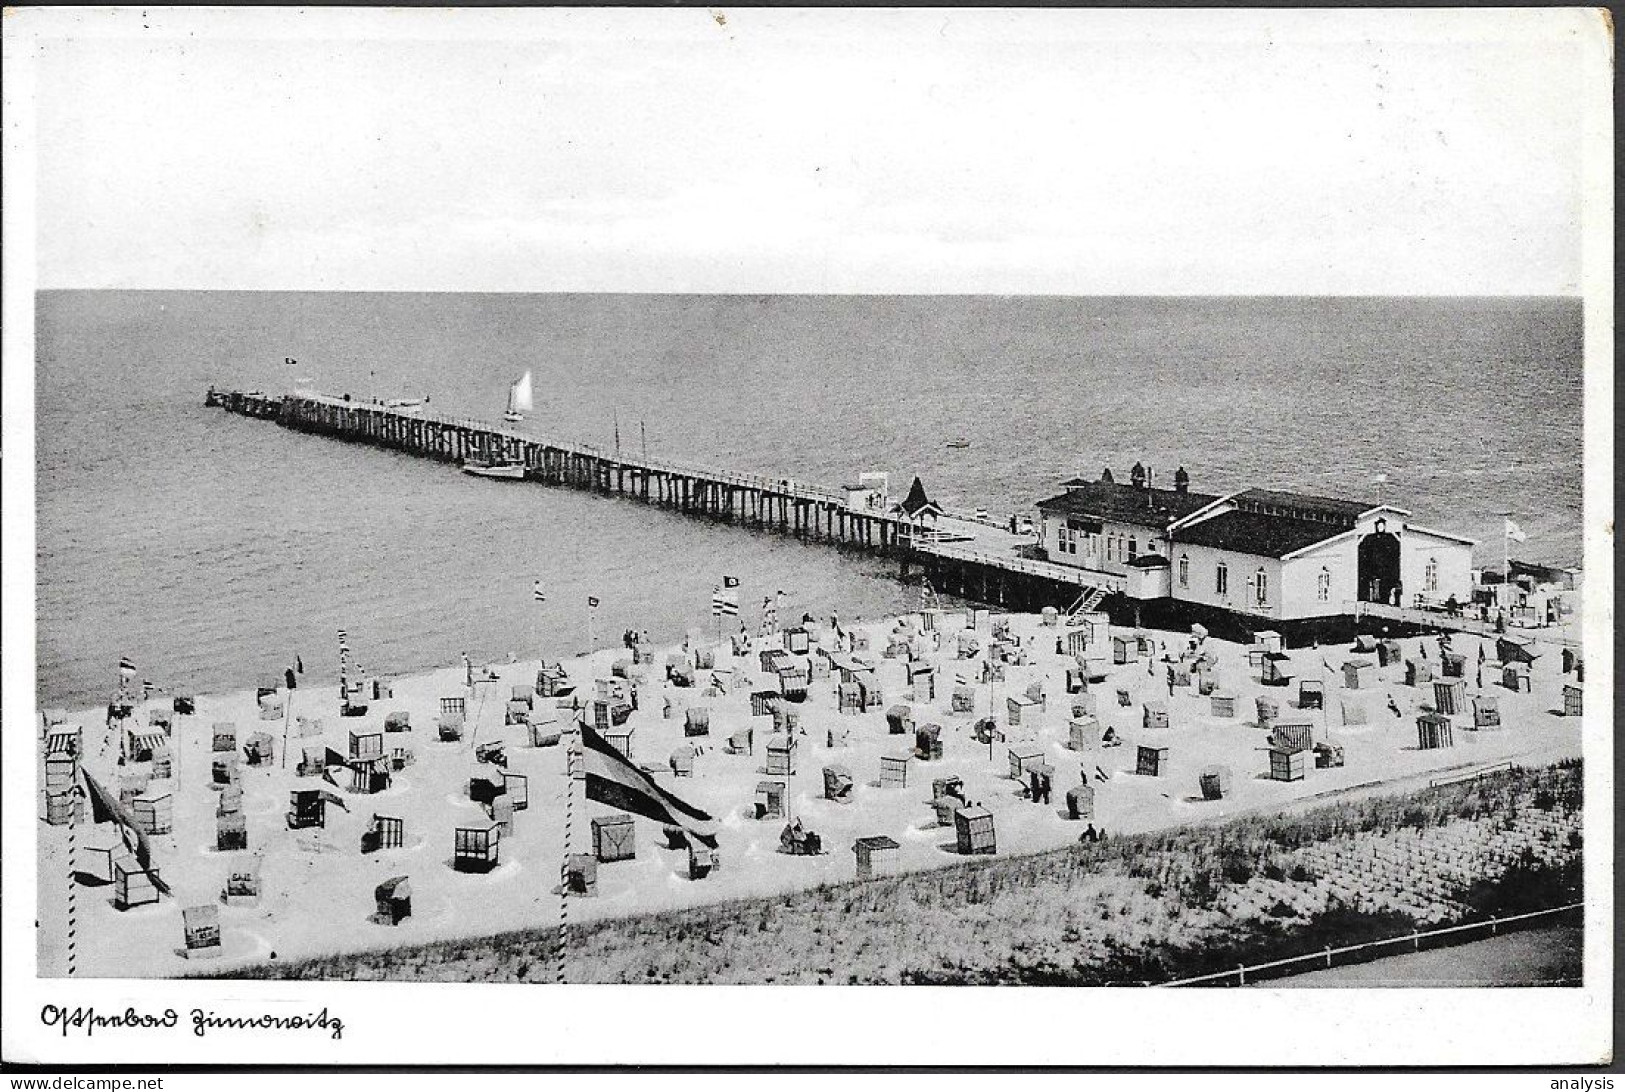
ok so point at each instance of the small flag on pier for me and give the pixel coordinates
(1515, 533)
(299, 663)
(592, 601)
(730, 582)
(537, 594)
(126, 667)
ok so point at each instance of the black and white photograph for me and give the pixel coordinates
(1110, 508)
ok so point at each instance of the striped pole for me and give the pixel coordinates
(572, 756)
(287, 724)
(73, 876)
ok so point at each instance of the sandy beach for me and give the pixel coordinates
(317, 885)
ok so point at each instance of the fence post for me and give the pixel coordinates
(1494, 924)
(1416, 940)
(1328, 957)
(1241, 974)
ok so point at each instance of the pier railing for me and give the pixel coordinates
(1327, 957)
(782, 486)
(1046, 570)
(1455, 622)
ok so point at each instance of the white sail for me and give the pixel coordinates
(519, 395)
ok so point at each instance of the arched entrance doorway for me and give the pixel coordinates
(1379, 566)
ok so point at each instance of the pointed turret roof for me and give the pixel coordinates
(917, 503)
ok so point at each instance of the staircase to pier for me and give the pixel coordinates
(1091, 598)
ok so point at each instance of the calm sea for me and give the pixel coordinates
(214, 549)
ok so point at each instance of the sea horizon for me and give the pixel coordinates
(223, 546)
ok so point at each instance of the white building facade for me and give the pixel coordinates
(1273, 555)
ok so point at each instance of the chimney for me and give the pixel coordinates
(1182, 481)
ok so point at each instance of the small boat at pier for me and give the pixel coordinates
(502, 471)
(519, 400)
(958, 444)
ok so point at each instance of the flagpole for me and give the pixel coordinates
(287, 719)
(572, 740)
(74, 803)
(1506, 558)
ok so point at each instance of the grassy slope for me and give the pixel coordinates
(1142, 908)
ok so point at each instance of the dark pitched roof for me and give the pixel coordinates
(1251, 533)
(1125, 504)
(1302, 506)
(1149, 561)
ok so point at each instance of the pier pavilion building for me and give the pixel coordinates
(1257, 553)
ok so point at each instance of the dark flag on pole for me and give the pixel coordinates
(612, 780)
(592, 601)
(105, 808)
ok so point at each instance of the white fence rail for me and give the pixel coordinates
(1324, 958)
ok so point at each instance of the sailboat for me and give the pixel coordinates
(519, 402)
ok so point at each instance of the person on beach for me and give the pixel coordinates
(468, 670)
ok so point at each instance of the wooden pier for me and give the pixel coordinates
(975, 561)
(778, 505)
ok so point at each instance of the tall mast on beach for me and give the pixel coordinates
(1510, 532)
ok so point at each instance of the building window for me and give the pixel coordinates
(1262, 582)
(1430, 575)
(1323, 587)
(1221, 579)
(1184, 570)
(1133, 548)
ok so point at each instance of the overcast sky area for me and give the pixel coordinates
(1174, 152)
